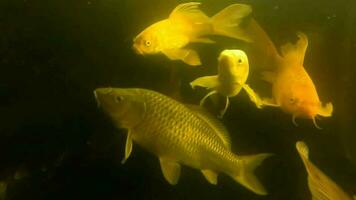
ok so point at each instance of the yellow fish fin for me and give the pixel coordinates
(128, 147)
(268, 76)
(326, 111)
(227, 104)
(202, 101)
(227, 21)
(245, 172)
(296, 51)
(189, 12)
(170, 170)
(211, 176)
(269, 102)
(209, 82)
(254, 97)
(188, 56)
(218, 127)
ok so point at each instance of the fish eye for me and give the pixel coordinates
(118, 99)
(292, 100)
(239, 61)
(148, 43)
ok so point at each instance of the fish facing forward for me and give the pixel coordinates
(292, 88)
(320, 185)
(178, 134)
(186, 24)
(233, 70)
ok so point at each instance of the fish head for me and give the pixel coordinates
(146, 43)
(124, 106)
(233, 63)
(301, 101)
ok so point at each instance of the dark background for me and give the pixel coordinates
(56, 144)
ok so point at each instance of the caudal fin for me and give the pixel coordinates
(227, 21)
(245, 173)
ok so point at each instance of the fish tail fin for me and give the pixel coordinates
(245, 172)
(227, 21)
(326, 111)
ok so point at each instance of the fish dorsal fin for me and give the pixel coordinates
(296, 51)
(190, 12)
(218, 127)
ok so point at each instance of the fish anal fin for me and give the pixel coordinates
(189, 12)
(170, 170)
(211, 176)
(254, 97)
(326, 111)
(219, 128)
(268, 76)
(188, 56)
(227, 21)
(209, 82)
(296, 51)
(245, 172)
(128, 147)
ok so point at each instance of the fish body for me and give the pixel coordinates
(320, 185)
(186, 24)
(292, 88)
(233, 71)
(177, 134)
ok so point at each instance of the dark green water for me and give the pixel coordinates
(54, 53)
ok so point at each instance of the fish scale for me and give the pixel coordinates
(178, 134)
(159, 109)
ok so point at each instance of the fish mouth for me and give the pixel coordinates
(100, 91)
(137, 50)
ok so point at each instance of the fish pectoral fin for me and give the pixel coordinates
(211, 176)
(269, 102)
(202, 101)
(128, 147)
(268, 76)
(203, 40)
(209, 82)
(254, 97)
(326, 111)
(223, 111)
(188, 56)
(296, 51)
(170, 170)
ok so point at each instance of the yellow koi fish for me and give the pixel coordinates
(186, 24)
(292, 88)
(178, 134)
(320, 185)
(233, 71)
